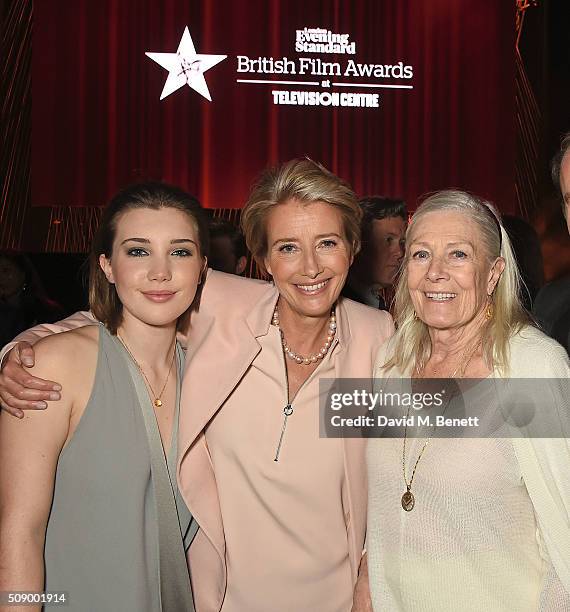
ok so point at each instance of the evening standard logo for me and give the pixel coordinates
(318, 40)
(330, 77)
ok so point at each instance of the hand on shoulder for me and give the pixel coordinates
(69, 357)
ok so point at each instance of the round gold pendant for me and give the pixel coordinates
(408, 501)
(157, 402)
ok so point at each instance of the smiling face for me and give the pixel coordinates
(449, 273)
(155, 264)
(307, 255)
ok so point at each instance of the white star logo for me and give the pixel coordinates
(186, 67)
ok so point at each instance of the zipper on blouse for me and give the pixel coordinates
(288, 409)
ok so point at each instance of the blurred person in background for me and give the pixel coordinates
(552, 305)
(23, 299)
(375, 268)
(526, 246)
(228, 252)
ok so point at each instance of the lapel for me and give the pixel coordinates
(221, 350)
(344, 338)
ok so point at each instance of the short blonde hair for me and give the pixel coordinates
(412, 341)
(303, 180)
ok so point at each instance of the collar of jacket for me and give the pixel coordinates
(259, 319)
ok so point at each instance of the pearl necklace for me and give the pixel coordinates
(311, 358)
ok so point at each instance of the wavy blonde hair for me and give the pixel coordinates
(412, 345)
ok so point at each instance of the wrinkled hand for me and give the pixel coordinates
(362, 601)
(19, 390)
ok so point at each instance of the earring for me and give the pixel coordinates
(415, 316)
(490, 310)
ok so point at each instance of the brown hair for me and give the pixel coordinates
(103, 299)
(303, 180)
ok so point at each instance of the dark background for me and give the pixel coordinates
(482, 115)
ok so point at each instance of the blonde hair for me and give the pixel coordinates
(412, 345)
(303, 180)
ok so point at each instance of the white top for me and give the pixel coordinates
(490, 529)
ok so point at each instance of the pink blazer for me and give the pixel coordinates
(221, 346)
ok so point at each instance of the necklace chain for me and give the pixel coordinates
(291, 354)
(156, 399)
(408, 500)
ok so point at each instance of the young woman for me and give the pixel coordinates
(88, 486)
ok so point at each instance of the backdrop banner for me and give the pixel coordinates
(399, 98)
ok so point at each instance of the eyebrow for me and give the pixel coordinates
(147, 241)
(449, 244)
(319, 237)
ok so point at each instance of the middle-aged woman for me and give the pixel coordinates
(468, 523)
(282, 512)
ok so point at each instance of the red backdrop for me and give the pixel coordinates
(98, 124)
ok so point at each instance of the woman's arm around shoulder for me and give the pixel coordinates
(29, 452)
(36, 333)
(20, 390)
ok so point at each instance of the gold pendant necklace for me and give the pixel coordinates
(156, 399)
(408, 500)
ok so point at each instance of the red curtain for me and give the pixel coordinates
(98, 123)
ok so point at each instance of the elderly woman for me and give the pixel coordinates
(465, 523)
(282, 512)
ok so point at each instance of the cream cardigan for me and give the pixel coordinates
(543, 464)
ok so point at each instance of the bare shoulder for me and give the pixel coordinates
(68, 353)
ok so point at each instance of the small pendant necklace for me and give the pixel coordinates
(156, 399)
(289, 352)
(408, 500)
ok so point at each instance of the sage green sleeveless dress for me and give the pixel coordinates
(105, 544)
